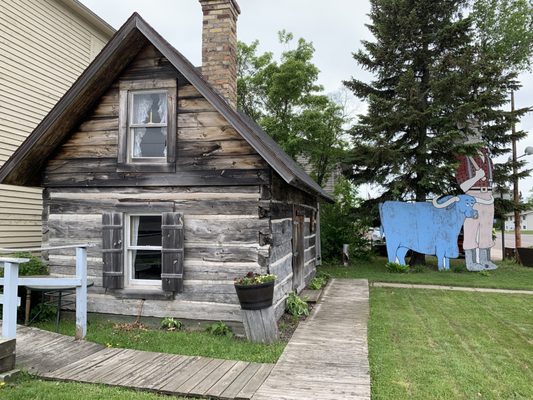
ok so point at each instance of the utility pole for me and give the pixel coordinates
(516, 193)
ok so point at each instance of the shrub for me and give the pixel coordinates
(339, 225)
(319, 281)
(35, 266)
(396, 268)
(296, 306)
(171, 324)
(219, 329)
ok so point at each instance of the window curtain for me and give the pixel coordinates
(162, 108)
(134, 239)
(141, 109)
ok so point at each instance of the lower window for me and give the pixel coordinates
(143, 250)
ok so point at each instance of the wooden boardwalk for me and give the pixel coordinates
(58, 357)
(327, 357)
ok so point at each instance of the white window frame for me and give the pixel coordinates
(128, 265)
(132, 126)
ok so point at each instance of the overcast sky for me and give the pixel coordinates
(335, 27)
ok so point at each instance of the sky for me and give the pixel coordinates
(335, 27)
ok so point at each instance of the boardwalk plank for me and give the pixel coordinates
(255, 382)
(327, 357)
(223, 383)
(238, 384)
(184, 374)
(202, 388)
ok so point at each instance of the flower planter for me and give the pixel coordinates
(255, 297)
(525, 256)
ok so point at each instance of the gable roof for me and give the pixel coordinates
(100, 74)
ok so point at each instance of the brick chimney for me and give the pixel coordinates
(219, 46)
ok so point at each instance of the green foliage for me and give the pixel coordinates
(219, 329)
(283, 96)
(296, 306)
(171, 324)
(43, 312)
(341, 224)
(396, 268)
(317, 283)
(458, 268)
(429, 75)
(484, 273)
(418, 268)
(252, 278)
(35, 265)
(504, 30)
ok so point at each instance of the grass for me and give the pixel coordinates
(104, 331)
(427, 344)
(30, 388)
(509, 275)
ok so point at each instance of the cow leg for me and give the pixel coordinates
(446, 263)
(392, 248)
(441, 260)
(400, 254)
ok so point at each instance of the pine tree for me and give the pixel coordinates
(430, 75)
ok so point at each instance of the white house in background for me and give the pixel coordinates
(526, 221)
(45, 46)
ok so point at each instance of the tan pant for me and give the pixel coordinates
(478, 232)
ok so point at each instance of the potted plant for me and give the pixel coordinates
(255, 291)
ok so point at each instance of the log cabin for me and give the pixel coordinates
(147, 156)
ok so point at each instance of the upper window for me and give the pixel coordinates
(147, 126)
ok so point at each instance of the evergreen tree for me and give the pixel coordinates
(430, 76)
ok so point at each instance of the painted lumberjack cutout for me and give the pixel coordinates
(474, 175)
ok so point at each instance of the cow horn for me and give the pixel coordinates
(487, 202)
(445, 204)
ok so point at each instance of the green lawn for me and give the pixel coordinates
(103, 331)
(509, 275)
(427, 344)
(29, 388)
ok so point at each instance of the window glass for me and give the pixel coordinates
(149, 108)
(144, 259)
(148, 125)
(149, 142)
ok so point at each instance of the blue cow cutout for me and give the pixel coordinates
(427, 228)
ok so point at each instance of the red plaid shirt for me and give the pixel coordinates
(467, 169)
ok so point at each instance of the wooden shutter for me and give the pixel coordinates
(172, 260)
(113, 250)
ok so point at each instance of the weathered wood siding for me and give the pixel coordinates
(281, 204)
(45, 45)
(222, 228)
(209, 151)
(217, 186)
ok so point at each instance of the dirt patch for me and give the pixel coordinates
(287, 324)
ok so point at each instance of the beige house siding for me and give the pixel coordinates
(44, 47)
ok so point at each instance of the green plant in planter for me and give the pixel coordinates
(171, 324)
(296, 306)
(253, 278)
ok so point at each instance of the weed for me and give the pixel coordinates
(296, 306)
(484, 273)
(219, 329)
(171, 324)
(418, 268)
(396, 268)
(460, 268)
